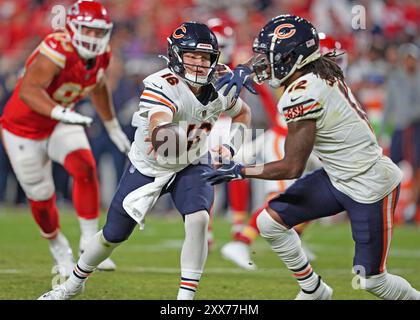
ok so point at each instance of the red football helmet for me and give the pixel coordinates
(225, 38)
(90, 14)
(328, 44)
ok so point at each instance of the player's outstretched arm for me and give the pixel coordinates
(102, 100)
(298, 146)
(156, 120)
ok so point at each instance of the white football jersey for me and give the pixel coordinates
(167, 92)
(344, 139)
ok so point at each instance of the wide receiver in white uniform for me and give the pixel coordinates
(324, 117)
(181, 95)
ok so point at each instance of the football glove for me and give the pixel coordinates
(239, 77)
(227, 172)
(117, 136)
(68, 116)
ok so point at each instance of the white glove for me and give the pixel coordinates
(117, 135)
(66, 115)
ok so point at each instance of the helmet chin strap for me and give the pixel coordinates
(275, 83)
(194, 80)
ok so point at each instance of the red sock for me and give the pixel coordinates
(81, 165)
(250, 232)
(46, 216)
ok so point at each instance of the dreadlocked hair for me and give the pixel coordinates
(325, 67)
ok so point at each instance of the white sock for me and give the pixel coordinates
(97, 250)
(390, 287)
(88, 228)
(59, 241)
(286, 243)
(193, 254)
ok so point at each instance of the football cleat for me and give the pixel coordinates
(238, 253)
(323, 292)
(107, 265)
(60, 292)
(63, 255)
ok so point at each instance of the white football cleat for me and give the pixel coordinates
(107, 265)
(324, 292)
(61, 293)
(238, 253)
(62, 254)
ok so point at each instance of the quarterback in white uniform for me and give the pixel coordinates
(179, 100)
(324, 117)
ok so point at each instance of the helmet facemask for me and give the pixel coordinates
(181, 68)
(89, 47)
(278, 67)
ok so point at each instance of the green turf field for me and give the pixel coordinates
(148, 263)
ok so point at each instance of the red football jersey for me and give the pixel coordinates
(69, 86)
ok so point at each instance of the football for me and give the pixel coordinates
(169, 140)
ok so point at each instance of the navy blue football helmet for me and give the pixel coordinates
(288, 42)
(192, 37)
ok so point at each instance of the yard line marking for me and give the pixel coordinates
(265, 271)
(10, 271)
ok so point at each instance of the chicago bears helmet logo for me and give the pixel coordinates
(179, 32)
(284, 31)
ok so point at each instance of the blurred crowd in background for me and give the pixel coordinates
(382, 52)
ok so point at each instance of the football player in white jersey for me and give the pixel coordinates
(324, 117)
(182, 94)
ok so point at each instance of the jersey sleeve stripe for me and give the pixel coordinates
(302, 116)
(159, 99)
(53, 55)
(232, 104)
(160, 93)
(305, 109)
(298, 104)
(147, 101)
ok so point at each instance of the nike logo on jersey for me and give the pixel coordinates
(53, 45)
(293, 100)
(159, 87)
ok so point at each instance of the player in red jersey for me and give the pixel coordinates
(238, 250)
(39, 124)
